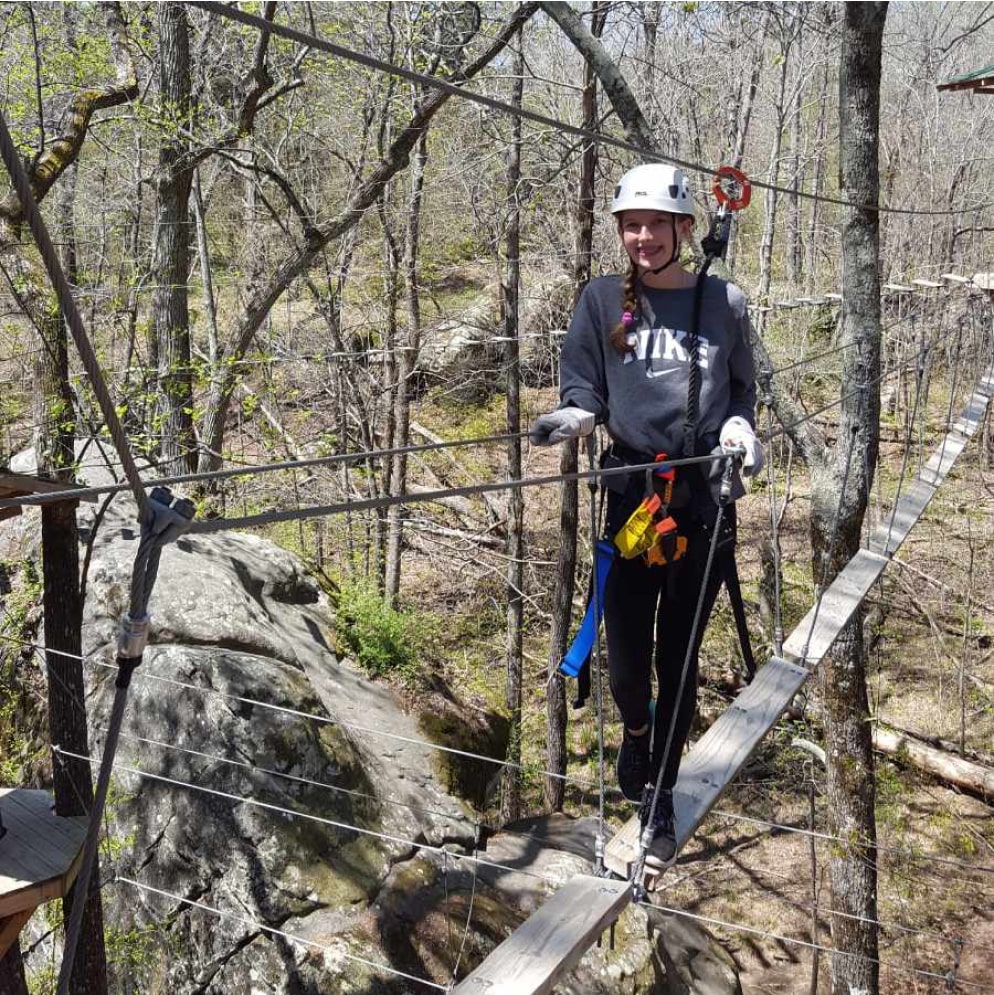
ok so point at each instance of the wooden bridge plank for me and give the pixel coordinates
(887, 537)
(553, 940)
(841, 599)
(550, 942)
(717, 757)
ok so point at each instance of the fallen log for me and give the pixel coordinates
(975, 779)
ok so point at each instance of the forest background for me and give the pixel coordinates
(282, 254)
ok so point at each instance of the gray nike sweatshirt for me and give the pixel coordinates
(642, 396)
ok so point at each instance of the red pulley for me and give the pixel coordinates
(736, 176)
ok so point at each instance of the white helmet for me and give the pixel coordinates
(655, 186)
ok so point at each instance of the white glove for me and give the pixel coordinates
(737, 433)
(560, 425)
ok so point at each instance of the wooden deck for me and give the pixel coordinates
(39, 854)
(15, 485)
(550, 942)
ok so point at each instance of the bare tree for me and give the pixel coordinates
(837, 514)
(510, 292)
(169, 338)
(55, 457)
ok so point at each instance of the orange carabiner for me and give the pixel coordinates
(736, 176)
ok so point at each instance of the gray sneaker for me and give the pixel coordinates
(662, 850)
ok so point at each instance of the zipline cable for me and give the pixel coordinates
(456, 90)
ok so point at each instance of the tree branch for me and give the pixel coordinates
(637, 128)
(62, 153)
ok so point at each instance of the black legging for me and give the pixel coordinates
(643, 604)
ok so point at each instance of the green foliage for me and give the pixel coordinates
(382, 639)
(16, 749)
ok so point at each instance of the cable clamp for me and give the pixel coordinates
(132, 636)
(167, 517)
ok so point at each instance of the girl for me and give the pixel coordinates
(666, 375)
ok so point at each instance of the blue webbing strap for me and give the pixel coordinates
(583, 641)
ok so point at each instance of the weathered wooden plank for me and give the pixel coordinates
(973, 414)
(40, 852)
(717, 757)
(841, 599)
(887, 537)
(550, 942)
(941, 461)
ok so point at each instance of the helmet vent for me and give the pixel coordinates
(674, 191)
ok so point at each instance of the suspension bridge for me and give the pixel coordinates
(552, 941)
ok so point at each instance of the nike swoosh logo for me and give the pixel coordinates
(652, 374)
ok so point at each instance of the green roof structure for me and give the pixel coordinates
(979, 81)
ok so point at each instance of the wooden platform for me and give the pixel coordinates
(15, 485)
(717, 757)
(552, 941)
(39, 856)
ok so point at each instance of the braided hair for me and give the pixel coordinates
(630, 307)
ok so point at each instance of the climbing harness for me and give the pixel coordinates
(651, 530)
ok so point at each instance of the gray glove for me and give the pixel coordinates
(561, 425)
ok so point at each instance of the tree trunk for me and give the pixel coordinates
(12, 980)
(562, 608)
(173, 419)
(637, 129)
(744, 118)
(588, 168)
(850, 773)
(73, 785)
(406, 362)
(562, 595)
(973, 778)
(511, 796)
(771, 199)
(817, 177)
(797, 171)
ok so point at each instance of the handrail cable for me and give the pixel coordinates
(297, 814)
(273, 931)
(214, 525)
(780, 938)
(570, 780)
